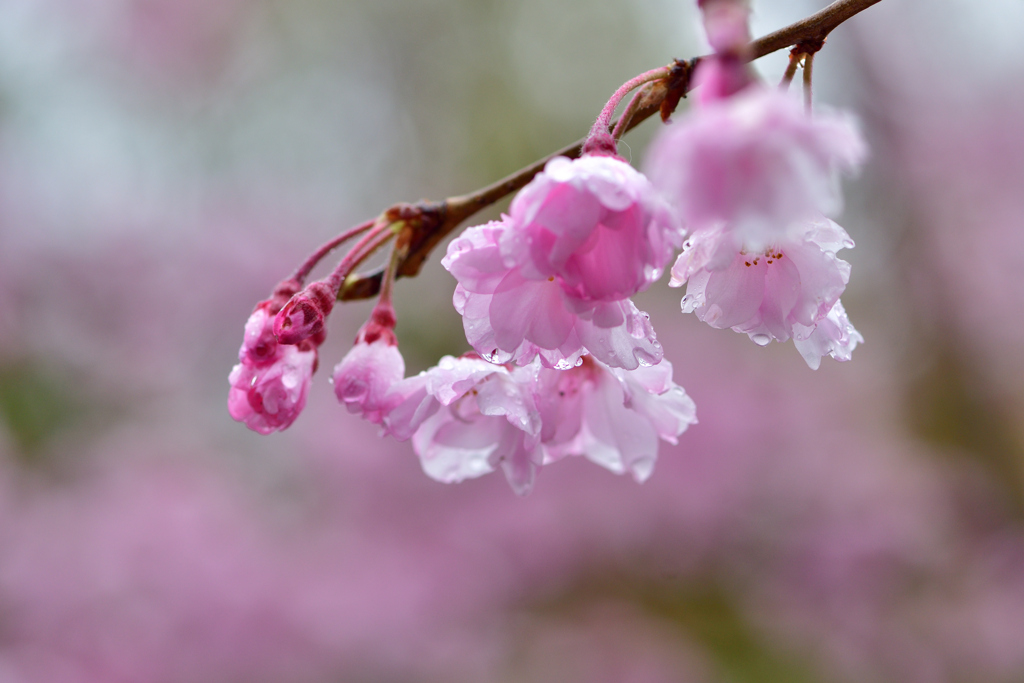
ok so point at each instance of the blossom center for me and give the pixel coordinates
(769, 255)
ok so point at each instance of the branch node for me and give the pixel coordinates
(808, 46)
(676, 85)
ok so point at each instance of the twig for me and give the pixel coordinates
(431, 222)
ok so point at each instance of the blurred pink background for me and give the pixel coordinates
(163, 163)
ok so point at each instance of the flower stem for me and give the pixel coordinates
(808, 63)
(601, 126)
(379, 234)
(398, 253)
(302, 272)
(627, 114)
(795, 55)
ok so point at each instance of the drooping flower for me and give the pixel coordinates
(365, 376)
(511, 317)
(466, 417)
(767, 294)
(833, 336)
(270, 384)
(613, 417)
(595, 224)
(756, 163)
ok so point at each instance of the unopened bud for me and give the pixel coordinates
(304, 315)
(381, 325)
(259, 346)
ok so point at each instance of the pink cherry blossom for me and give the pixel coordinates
(833, 336)
(510, 317)
(365, 375)
(756, 162)
(766, 293)
(613, 417)
(466, 417)
(269, 385)
(595, 224)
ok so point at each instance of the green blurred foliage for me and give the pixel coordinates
(36, 405)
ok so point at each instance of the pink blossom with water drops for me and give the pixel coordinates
(612, 417)
(833, 336)
(364, 377)
(595, 224)
(467, 417)
(270, 383)
(510, 317)
(767, 293)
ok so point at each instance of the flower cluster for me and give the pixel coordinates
(564, 363)
(753, 176)
(467, 416)
(270, 382)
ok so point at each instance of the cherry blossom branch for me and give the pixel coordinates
(814, 28)
(430, 222)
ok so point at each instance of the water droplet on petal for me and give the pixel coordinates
(760, 339)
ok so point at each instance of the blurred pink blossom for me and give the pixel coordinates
(755, 162)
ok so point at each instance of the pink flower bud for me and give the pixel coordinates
(268, 397)
(720, 77)
(259, 345)
(365, 376)
(304, 315)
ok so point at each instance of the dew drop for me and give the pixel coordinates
(760, 339)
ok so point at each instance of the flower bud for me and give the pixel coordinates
(304, 315)
(268, 397)
(259, 346)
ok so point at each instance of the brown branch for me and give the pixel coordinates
(814, 28)
(431, 222)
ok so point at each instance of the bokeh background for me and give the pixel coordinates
(164, 162)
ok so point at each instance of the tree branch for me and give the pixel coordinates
(431, 222)
(812, 29)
